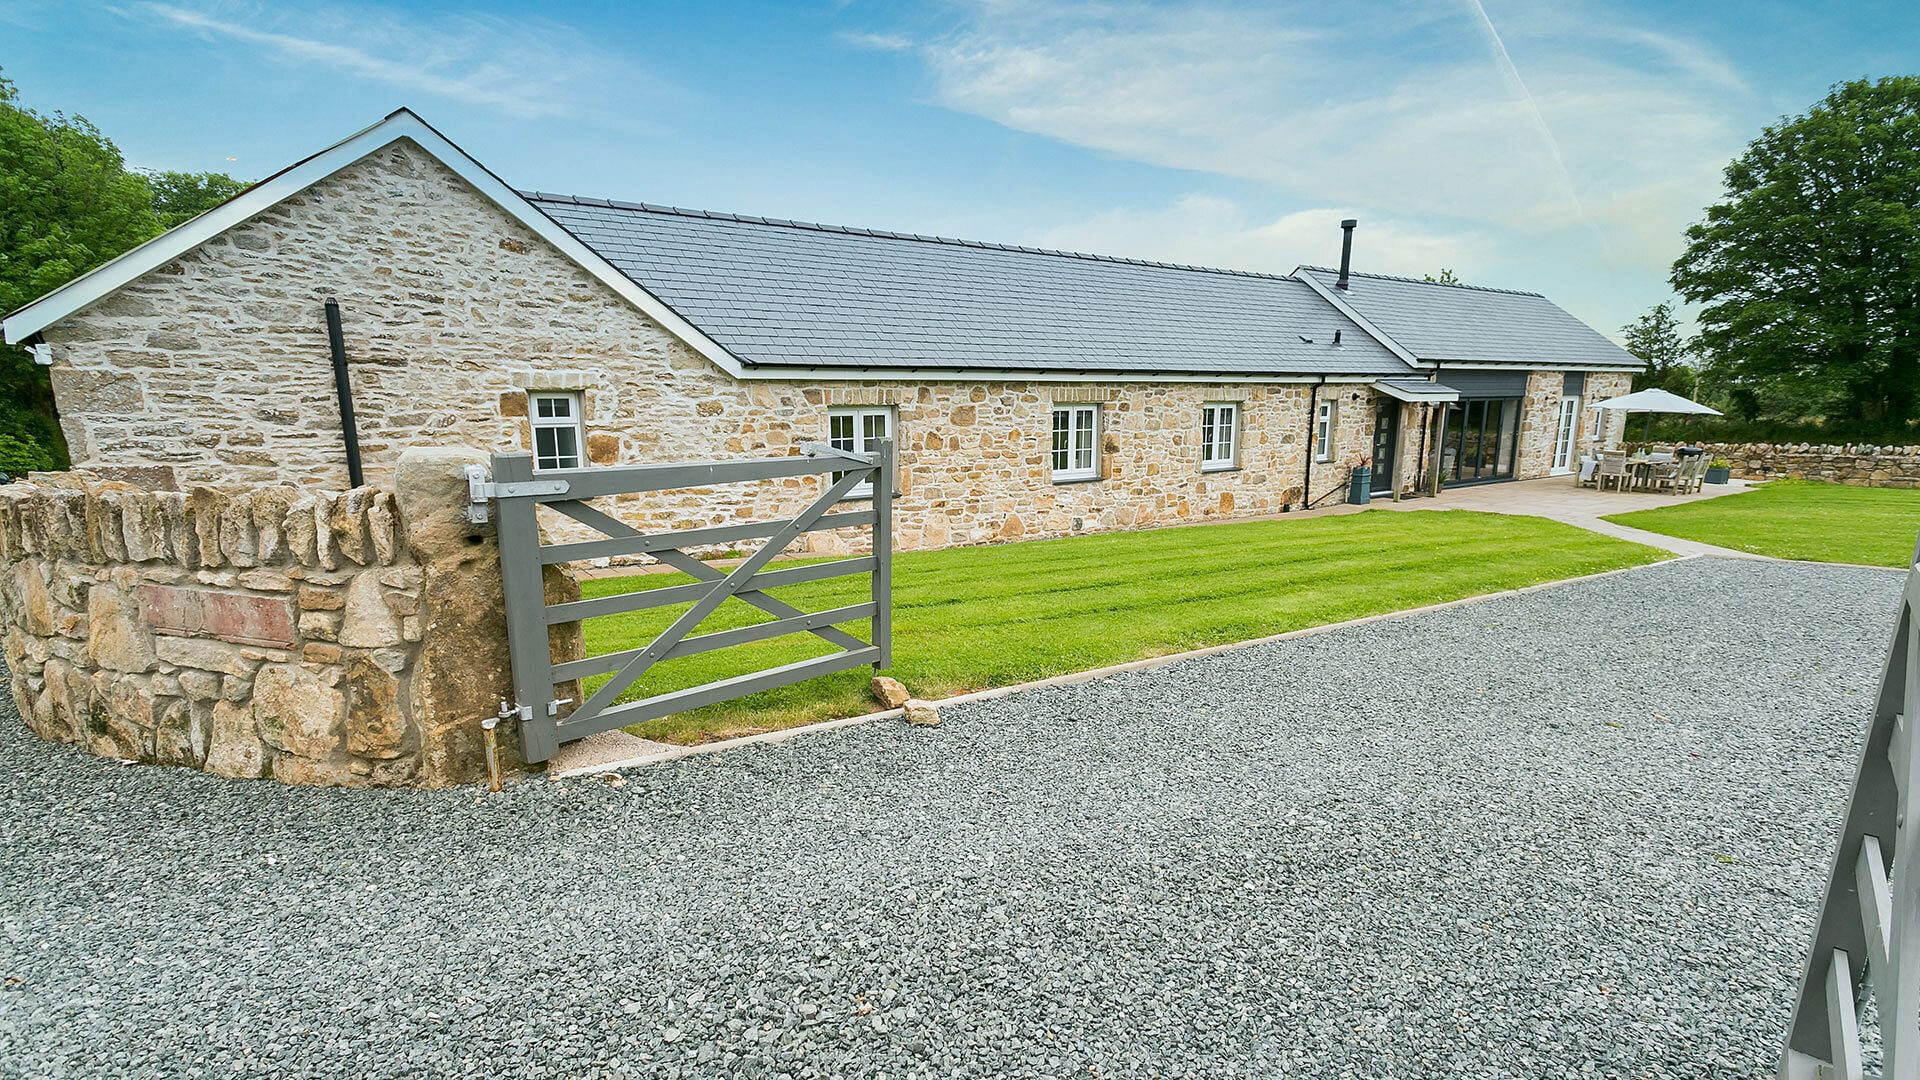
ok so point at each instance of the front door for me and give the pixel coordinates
(1386, 432)
(1563, 435)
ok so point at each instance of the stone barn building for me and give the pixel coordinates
(1030, 392)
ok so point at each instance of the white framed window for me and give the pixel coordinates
(1323, 432)
(1219, 435)
(860, 431)
(1076, 433)
(557, 431)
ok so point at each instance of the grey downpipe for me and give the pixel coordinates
(343, 392)
(1306, 481)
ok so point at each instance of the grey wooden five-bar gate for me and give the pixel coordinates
(518, 492)
(1868, 937)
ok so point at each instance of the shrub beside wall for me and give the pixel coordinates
(350, 638)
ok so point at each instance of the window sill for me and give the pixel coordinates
(1077, 479)
(1219, 468)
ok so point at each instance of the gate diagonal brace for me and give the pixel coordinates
(700, 571)
(721, 590)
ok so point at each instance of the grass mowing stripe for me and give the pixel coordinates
(973, 618)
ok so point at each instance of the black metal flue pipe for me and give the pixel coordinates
(343, 391)
(1346, 252)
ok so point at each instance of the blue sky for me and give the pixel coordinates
(1559, 147)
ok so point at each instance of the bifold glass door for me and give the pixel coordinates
(1480, 443)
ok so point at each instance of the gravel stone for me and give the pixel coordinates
(1571, 833)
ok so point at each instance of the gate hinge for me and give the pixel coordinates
(480, 490)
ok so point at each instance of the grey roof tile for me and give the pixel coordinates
(775, 292)
(1474, 324)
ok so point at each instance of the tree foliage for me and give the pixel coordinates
(67, 204)
(1809, 268)
(1655, 338)
(183, 196)
(1445, 277)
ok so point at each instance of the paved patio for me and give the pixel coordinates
(1561, 498)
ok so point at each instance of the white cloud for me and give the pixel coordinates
(878, 42)
(522, 68)
(1402, 111)
(1206, 230)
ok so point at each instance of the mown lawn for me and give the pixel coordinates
(1798, 519)
(972, 618)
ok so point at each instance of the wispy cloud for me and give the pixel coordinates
(1411, 110)
(1209, 230)
(878, 42)
(524, 68)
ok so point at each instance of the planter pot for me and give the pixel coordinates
(1717, 475)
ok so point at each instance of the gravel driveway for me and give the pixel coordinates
(1549, 835)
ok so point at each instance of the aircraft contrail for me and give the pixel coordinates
(1539, 121)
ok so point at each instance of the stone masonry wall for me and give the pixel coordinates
(1601, 430)
(215, 369)
(1862, 465)
(349, 638)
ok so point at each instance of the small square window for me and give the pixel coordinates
(860, 431)
(557, 433)
(1076, 453)
(1219, 436)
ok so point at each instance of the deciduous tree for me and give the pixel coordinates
(1808, 270)
(68, 204)
(1655, 338)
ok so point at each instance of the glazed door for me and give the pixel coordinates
(1386, 440)
(1563, 435)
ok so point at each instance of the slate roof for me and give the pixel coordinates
(779, 292)
(1469, 323)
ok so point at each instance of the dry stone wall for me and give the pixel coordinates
(351, 638)
(1861, 465)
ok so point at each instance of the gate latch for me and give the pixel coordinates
(480, 490)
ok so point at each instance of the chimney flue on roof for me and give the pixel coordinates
(1346, 251)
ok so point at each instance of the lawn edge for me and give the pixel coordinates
(672, 752)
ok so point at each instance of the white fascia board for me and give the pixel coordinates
(402, 124)
(1524, 365)
(1000, 375)
(1340, 304)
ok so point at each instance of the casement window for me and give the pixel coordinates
(1219, 436)
(1323, 432)
(859, 431)
(1076, 431)
(557, 432)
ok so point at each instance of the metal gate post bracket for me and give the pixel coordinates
(480, 490)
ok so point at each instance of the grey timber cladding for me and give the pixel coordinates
(788, 293)
(1466, 323)
(1486, 383)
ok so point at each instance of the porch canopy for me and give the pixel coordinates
(1417, 390)
(1655, 400)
